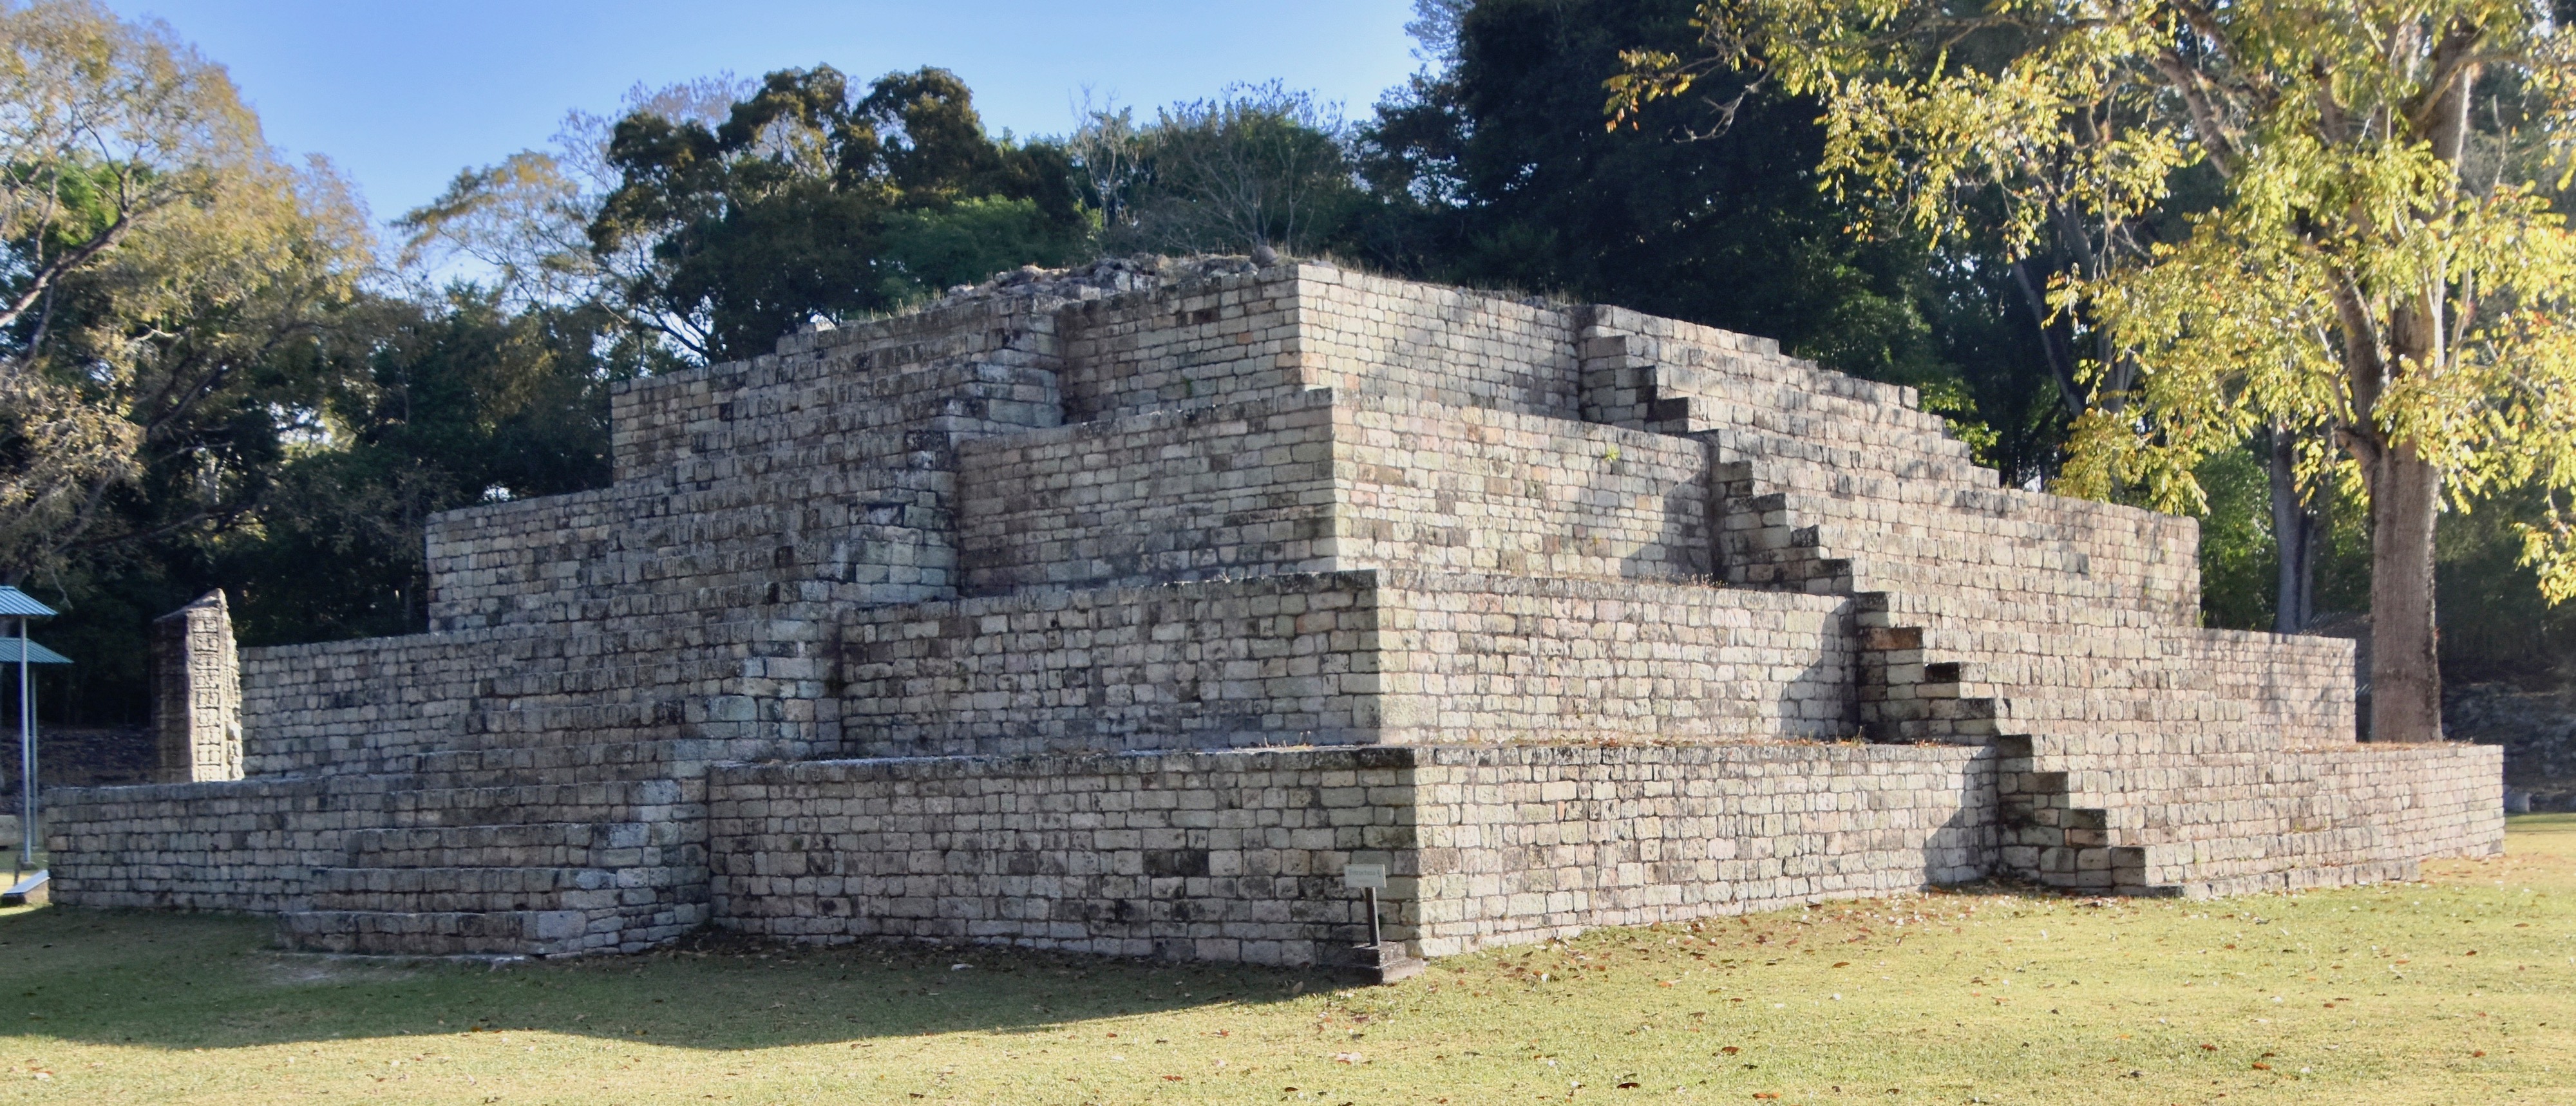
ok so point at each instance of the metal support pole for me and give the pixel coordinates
(26, 754)
(1375, 939)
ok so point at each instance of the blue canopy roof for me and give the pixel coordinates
(15, 603)
(36, 654)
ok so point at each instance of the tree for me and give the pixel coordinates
(1492, 168)
(158, 270)
(1256, 165)
(433, 406)
(2353, 275)
(525, 221)
(714, 216)
(781, 213)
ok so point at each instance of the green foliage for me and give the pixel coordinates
(782, 212)
(2004, 400)
(2238, 558)
(1495, 170)
(159, 271)
(925, 252)
(1255, 165)
(2351, 274)
(2490, 627)
(439, 406)
(108, 599)
(431, 406)
(1500, 173)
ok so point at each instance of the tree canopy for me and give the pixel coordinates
(2379, 264)
(159, 267)
(1255, 165)
(716, 227)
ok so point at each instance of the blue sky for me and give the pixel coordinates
(403, 95)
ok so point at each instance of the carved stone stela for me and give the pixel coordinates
(196, 693)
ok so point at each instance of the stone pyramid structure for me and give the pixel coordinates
(1123, 609)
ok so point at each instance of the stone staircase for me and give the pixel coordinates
(1986, 616)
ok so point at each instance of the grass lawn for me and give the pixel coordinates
(2458, 989)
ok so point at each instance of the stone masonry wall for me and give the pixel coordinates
(1270, 660)
(361, 706)
(2298, 690)
(1324, 481)
(1527, 844)
(1224, 341)
(844, 485)
(1236, 855)
(243, 845)
(1189, 855)
(1473, 490)
(1257, 337)
(664, 423)
(1344, 658)
(1481, 660)
(1173, 495)
(1455, 347)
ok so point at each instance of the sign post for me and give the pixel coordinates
(1376, 960)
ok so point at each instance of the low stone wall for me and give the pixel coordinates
(2329, 817)
(1188, 855)
(1469, 659)
(1525, 844)
(2535, 728)
(1237, 855)
(242, 845)
(351, 706)
(2296, 689)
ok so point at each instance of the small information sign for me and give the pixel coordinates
(1364, 877)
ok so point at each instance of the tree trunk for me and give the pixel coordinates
(2295, 530)
(2405, 677)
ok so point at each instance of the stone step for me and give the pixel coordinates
(463, 889)
(1829, 465)
(1881, 608)
(1776, 523)
(498, 760)
(429, 805)
(541, 845)
(1669, 368)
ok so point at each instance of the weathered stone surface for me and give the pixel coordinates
(1118, 610)
(196, 693)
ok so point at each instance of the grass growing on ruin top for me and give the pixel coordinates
(2461, 988)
